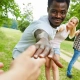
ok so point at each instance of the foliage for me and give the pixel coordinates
(26, 17)
(23, 19)
(74, 10)
(24, 25)
(6, 7)
(14, 24)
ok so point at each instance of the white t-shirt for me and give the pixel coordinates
(28, 38)
(59, 37)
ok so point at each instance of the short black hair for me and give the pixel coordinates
(50, 2)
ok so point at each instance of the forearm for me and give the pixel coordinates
(41, 35)
(14, 75)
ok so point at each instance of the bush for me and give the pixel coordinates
(23, 26)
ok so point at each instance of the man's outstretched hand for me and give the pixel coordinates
(44, 50)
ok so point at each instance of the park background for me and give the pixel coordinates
(15, 17)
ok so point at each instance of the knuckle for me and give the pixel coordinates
(37, 46)
(47, 48)
(42, 47)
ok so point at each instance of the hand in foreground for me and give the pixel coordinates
(24, 67)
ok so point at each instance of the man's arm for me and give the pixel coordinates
(39, 34)
(43, 46)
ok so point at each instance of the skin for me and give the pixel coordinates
(72, 23)
(56, 15)
(50, 64)
(24, 67)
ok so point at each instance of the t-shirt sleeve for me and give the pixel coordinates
(39, 26)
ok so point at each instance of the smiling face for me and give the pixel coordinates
(72, 23)
(57, 13)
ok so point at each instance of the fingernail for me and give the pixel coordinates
(50, 56)
(35, 56)
(41, 55)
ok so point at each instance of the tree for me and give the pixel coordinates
(8, 6)
(24, 25)
(26, 17)
(74, 10)
(14, 24)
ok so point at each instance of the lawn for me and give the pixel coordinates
(67, 46)
(9, 38)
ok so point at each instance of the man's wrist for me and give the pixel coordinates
(43, 36)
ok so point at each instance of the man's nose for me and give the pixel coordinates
(58, 15)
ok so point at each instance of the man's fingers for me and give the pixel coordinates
(1, 64)
(54, 58)
(51, 54)
(30, 51)
(37, 46)
(37, 53)
(57, 63)
(45, 52)
(40, 49)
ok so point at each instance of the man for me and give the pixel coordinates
(24, 67)
(40, 32)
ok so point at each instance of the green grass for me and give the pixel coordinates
(76, 73)
(67, 46)
(9, 38)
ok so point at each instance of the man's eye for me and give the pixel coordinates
(63, 12)
(53, 11)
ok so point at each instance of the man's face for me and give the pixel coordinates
(57, 13)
